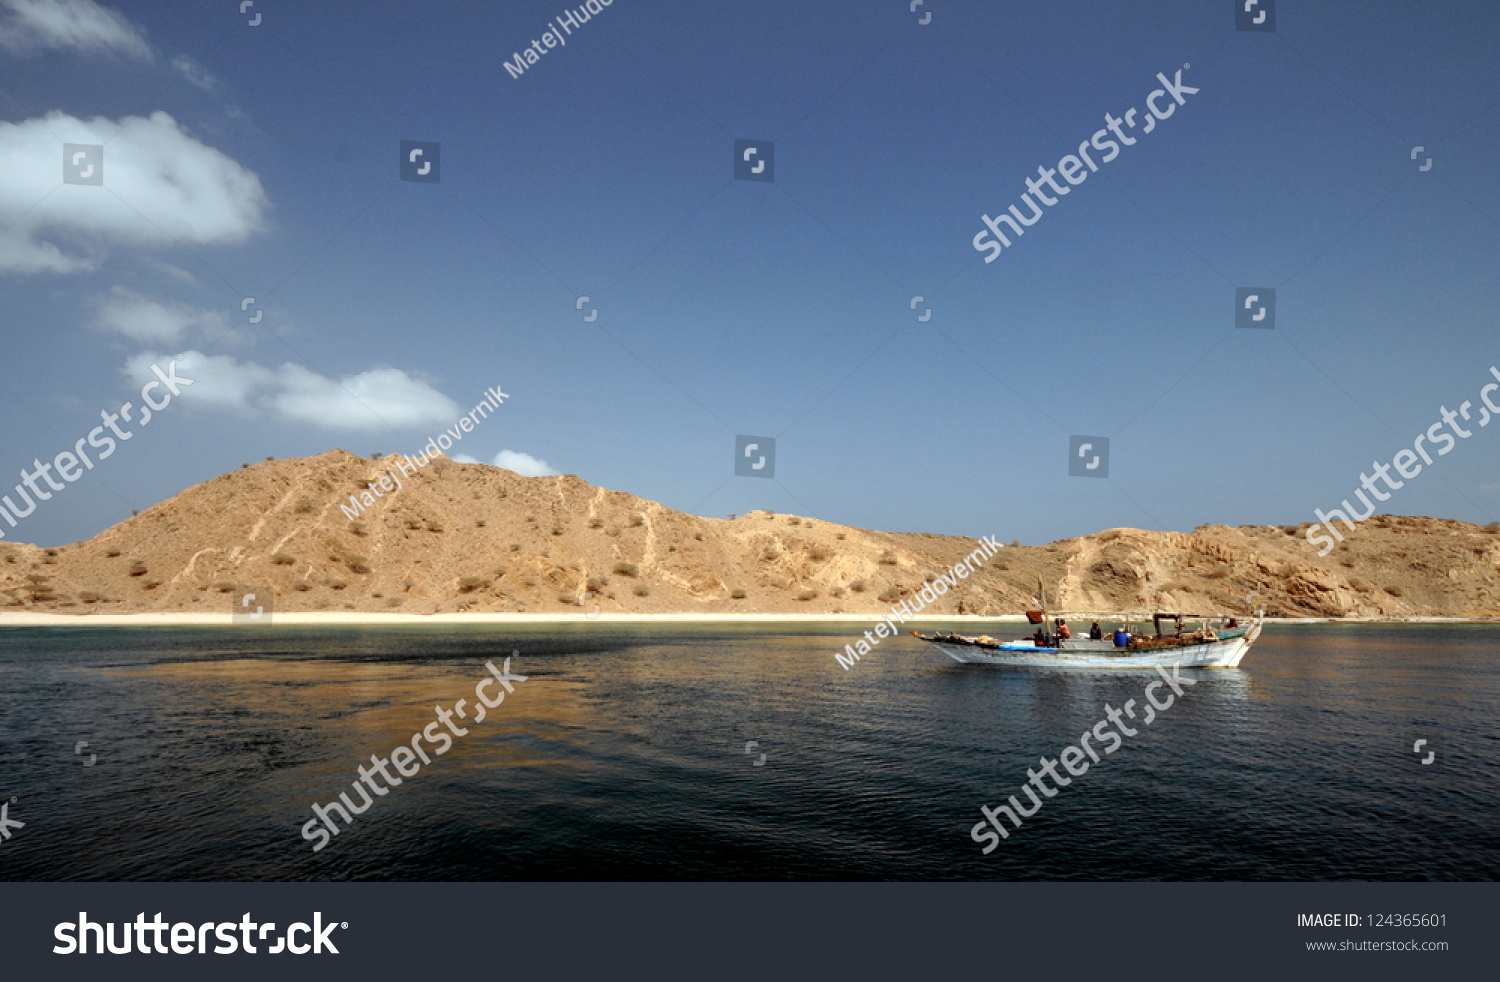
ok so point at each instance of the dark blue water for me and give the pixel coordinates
(624, 757)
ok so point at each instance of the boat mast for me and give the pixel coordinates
(1046, 620)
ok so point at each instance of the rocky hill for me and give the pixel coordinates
(473, 537)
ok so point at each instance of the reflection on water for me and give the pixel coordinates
(624, 757)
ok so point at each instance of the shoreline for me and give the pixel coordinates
(377, 619)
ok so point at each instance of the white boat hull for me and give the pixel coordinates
(1209, 654)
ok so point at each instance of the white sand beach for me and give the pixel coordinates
(377, 619)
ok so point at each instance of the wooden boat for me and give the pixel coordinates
(1219, 641)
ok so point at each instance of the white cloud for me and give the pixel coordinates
(523, 463)
(167, 269)
(219, 382)
(152, 322)
(161, 187)
(512, 460)
(367, 401)
(378, 399)
(37, 25)
(195, 73)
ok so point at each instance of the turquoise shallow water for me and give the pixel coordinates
(624, 756)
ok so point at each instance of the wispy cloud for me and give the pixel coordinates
(150, 321)
(29, 26)
(196, 74)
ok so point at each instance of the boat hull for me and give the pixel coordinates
(1208, 654)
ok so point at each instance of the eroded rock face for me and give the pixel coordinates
(479, 538)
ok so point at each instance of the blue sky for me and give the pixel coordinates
(262, 161)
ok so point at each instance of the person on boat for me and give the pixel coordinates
(1063, 631)
(1095, 632)
(1233, 622)
(1040, 638)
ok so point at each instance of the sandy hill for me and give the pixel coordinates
(473, 537)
